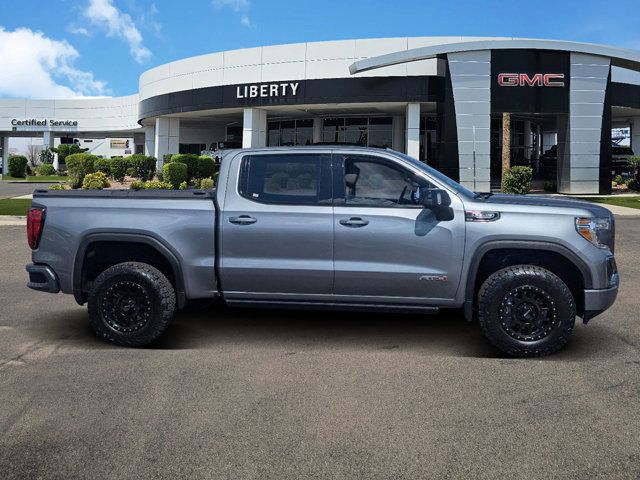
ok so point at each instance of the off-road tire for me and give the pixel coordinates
(131, 304)
(496, 317)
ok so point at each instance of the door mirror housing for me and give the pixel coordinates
(439, 202)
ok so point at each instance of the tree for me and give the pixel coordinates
(506, 145)
(65, 150)
(33, 154)
(46, 155)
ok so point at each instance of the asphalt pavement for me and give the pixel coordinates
(252, 394)
(16, 189)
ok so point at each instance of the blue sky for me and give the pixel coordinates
(65, 48)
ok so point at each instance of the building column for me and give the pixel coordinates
(150, 141)
(412, 130)
(579, 161)
(317, 130)
(166, 138)
(5, 155)
(397, 134)
(254, 128)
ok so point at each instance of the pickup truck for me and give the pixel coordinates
(327, 228)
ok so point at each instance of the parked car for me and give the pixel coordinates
(327, 228)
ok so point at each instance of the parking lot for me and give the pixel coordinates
(289, 394)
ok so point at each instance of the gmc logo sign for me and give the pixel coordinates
(537, 80)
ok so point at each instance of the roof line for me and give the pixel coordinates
(620, 57)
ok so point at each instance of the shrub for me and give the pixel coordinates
(143, 167)
(159, 174)
(517, 180)
(95, 181)
(46, 169)
(205, 166)
(119, 167)
(46, 155)
(174, 173)
(617, 179)
(79, 165)
(166, 158)
(206, 183)
(183, 186)
(632, 184)
(29, 171)
(156, 185)
(191, 161)
(57, 187)
(103, 165)
(18, 166)
(137, 185)
(65, 150)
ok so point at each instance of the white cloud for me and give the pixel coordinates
(238, 6)
(104, 15)
(78, 30)
(35, 66)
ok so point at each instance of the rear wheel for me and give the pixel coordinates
(131, 304)
(526, 311)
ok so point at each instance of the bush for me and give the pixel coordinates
(119, 167)
(174, 173)
(617, 179)
(137, 185)
(205, 166)
(632, 184)
(95, 181)
(103, 165)
(156, 185)
(143, 167)
(65, 150)
(46, 169)
(517, 180)
(206, 183)
(159, 174)
(191, 161)
(18, 166)
(166, 158)
(29, 171)
(183, 186)
(57, 187)
(79, 165)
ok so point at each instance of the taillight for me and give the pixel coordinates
(35, 222)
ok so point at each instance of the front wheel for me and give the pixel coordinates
(526, 311)
(131, 304)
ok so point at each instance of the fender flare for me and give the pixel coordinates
(130, 237)
(483, 249)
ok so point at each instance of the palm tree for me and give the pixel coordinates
(506, 144)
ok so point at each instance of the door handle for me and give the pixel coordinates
(354, 222)
(243, 220)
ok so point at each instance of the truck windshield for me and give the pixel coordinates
(438, 175)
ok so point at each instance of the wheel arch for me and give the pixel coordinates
(473, 280)
(131, 238)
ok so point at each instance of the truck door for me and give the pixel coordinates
(277, 226)
(387, 245)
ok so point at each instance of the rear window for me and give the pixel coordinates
(291, 179)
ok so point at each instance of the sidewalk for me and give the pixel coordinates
(10, 221)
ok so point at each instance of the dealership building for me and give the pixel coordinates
(439, 99)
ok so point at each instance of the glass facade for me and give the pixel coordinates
(290, 132)
(363, 131)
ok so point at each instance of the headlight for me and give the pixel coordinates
(594, 229)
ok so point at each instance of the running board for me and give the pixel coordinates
(358, 307)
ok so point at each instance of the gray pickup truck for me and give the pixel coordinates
(328, 228)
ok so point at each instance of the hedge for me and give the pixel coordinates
(205, 166)
(144, 167)
(79, 165)
(46, 169)
(191, 161)
(103, 165)
(174, 173)
(18, 166)
(119, 167)
(517, 180)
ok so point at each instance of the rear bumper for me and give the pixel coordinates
(597, 301)
(42, 278)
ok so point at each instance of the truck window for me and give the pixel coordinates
(373, 182)
(292, 179)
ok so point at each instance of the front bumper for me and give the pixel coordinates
(597, 301)
(42, 278)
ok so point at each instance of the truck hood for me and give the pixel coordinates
(543, 201)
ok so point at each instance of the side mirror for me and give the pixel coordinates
(439, 202)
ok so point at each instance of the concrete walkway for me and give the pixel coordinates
(10, 221)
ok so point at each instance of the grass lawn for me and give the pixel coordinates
(631, 202)
(41, 178)
(10, 206)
